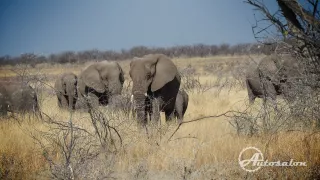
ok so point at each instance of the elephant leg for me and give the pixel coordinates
(59, 102)
(3, 106)
(176, 116)
(251, 96)
(178, 113)
(3, 112)
(74, 103)
(133, 112)
(169, 115)
(58, 99)
(149, 110)
(3, 109)
(37, 111)
(274, 102)
(64, 101)
(150, 116)
(175, 113)
(271, 92)
(251, 99)
(35, 105)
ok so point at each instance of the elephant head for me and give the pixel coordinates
(150, 74)
(102, 78)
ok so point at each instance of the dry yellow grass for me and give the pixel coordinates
(209, 147)
(18, 152)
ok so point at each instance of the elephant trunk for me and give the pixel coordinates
(115, 87)
(71, 94)
(140, 108)
(139, 91)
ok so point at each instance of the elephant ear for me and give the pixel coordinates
(59, 85)
(165, 72)
(91, 78)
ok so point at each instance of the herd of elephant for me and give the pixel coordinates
(156, 84)
(156, 87)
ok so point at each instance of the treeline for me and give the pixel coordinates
(198, 50)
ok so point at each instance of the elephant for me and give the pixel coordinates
(271, 77)
(18, 98)
(66, 90)
(181, 105)
(98, 82)
(156, 82)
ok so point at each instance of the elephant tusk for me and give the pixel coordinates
(131, 99)
(145, 94)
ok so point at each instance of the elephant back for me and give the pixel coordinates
(69, 77)
(268, 65)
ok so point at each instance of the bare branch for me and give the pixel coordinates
(201, 118)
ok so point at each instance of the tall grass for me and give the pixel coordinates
(20, 158)
(199, 150)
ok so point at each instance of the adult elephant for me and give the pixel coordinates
(156, 83)
(99, 81)
(18, 98)
(271, 77)
(66, 90)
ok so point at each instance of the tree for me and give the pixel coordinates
(294, 20)
(294, 28)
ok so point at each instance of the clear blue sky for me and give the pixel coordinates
(52, 26)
